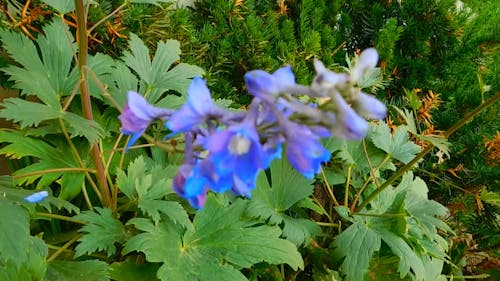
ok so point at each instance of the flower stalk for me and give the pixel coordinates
(82, 40)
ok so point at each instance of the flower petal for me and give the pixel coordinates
(259, 83)
(349, 125)
(37, 196)
(369, 107)
(304, 151)
(199, 98)
(192, 113)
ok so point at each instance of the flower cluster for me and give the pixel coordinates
(224, 151)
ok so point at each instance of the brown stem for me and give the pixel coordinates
(82, 39)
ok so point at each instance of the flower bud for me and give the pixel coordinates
(349, 125)
(368, 59)
(369, 107)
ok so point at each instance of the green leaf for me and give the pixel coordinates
(222, 241)
(407, 115)
(18, 195)
(21, 146)
(47, 169)
(101, 232)
(299, 230)
(166, 54)
(413, 99)
(138, 59)
(385, 269)
(490, 197)
(126, 182)
(27, 113)
(130, 270)
(22, 257)
(62, 7)
(245, 244)
(79, 126)
(438, 141)
(343, 212)
(71, 184)
(31, 114)
(353, 153)
(119, 82)
(33, 269)
(397, 145)
(172, 101)
(179, 78)
(31, 79)
(157, 73)
(271, 203)
(137, 184)
(288, 185)
(356, 244)
(154, 2)
(162, 243)
(14, 233)
(308, 203)
(45, 71)
(405, 220)
(89, 270)
(408, 257)
(425, 211)
(56, 49)
(102, 67)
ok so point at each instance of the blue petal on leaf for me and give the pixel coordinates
(36, 197)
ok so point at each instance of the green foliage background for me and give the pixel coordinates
(430, 45)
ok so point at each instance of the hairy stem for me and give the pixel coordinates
(82, 39)
(428, 149)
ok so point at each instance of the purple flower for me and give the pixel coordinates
(369, 107)
(349, 125)
(199, 105)
(137, 115)
(326, 79)
(262, 84)
(366, 60)
(237, 155)
(304, 151)
(193, 188)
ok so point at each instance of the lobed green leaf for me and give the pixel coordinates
(222, 242)
(397, 145)
(102, 231)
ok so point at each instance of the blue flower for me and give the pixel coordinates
(237, 155)
(369, 107)
(190, 186)
(199, 105)
(304, 151)
(137, 115)
(261, 84)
